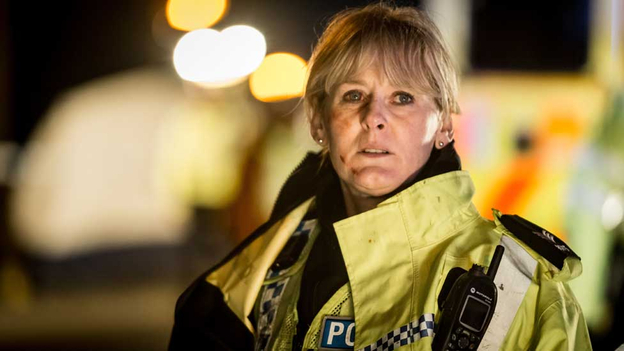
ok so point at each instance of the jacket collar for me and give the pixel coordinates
(311, 177)
(430, 209)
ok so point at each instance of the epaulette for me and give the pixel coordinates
(539, 239)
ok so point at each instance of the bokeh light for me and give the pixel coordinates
(281, 76)
(246, 48)
(209, 56)
(612, 211)
(188, 15)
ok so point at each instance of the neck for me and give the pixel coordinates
(356, 203)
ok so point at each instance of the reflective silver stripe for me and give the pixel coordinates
(513, 280)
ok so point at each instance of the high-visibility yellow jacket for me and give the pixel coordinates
(397, 257)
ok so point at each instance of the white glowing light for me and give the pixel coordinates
(209, 56)
(196, 54)
(612, 211)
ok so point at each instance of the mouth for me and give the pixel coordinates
(375, 152)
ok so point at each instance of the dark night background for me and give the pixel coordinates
(53, 46)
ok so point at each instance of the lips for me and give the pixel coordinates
(375, 151)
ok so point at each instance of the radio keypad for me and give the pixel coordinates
(463, 339)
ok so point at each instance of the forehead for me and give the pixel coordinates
(387, 66)
(364, 70)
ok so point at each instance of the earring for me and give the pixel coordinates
(441, 144)
(320, 141)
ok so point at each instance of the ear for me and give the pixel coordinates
(445, 134)
(317, 130)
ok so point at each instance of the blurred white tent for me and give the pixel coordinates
(111, 165)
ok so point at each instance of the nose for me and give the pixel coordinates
(374, 115)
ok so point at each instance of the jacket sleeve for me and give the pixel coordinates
(562, 327)
(203, 321)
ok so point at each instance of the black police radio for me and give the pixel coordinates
(467, 302)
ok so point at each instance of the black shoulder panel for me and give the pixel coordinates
(204, 322)
(539, 239)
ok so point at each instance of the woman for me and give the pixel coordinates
(364, 234)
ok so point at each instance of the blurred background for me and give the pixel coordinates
(141, 140)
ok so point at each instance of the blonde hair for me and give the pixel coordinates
(402, 40)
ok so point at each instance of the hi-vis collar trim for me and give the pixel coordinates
(338, 333)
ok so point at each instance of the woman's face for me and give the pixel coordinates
(379, 135)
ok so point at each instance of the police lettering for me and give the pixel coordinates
(338, 333)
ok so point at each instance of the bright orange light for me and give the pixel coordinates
(189, 15)
(281, 76)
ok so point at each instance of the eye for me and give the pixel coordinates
(352, 96)
(403, 98)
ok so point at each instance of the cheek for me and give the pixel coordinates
(340, 122)
(343, 135)
(341, 131)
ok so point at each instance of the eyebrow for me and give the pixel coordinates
(361, 82)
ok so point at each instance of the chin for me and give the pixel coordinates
(376, 187)
(377, 192)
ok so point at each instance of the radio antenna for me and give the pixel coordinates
(498, 255)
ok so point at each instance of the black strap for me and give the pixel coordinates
(539, 239)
